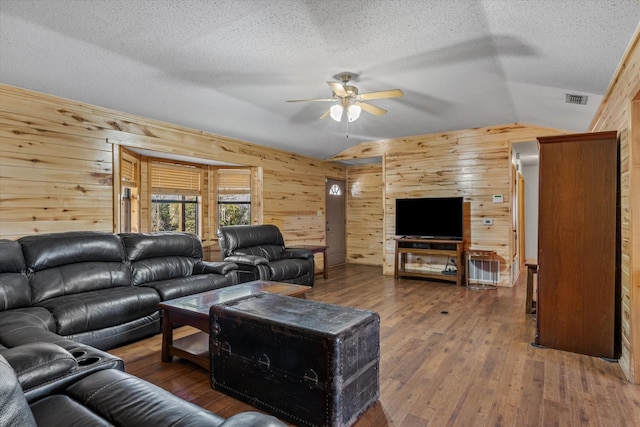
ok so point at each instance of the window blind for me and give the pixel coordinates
(128, 168)
(234, 181)
(167, 178)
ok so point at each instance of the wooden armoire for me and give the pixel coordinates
(576, 308)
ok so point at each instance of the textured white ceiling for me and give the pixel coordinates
(227, 66)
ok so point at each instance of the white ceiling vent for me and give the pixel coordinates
(576, 99)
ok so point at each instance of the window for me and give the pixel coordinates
(234, 197)
(175, 197)
(335, 190)
(174, 212)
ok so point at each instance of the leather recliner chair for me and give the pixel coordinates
(260, 253)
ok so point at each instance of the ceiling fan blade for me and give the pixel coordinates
(372, 109)
(338, 89)
(393, 93)
(325, 115)
(312, 100)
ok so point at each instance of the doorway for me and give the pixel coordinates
(335, 229)
(527, 161)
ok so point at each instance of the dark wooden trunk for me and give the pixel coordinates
(311, 363)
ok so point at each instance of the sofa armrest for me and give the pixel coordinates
(289, 253)
(14, 410)
(124, 399)
(250, 260)
(39, 363)
(252, 419)
(207, 267)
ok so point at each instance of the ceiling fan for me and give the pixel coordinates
(349, 101)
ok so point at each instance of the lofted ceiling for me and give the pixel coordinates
(228, 66)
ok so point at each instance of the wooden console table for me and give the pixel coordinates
(438, 247)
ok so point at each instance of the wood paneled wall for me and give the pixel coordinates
(473, 163)
(620, 110)
(56, 162)
(51, 179)
(365, 215)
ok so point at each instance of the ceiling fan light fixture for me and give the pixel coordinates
(350, 101)
(353, 112)
(336, 112)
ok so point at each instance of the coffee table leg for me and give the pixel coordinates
(167, 336)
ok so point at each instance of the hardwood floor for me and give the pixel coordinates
(450, 356)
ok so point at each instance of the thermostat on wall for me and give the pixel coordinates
(498, 198)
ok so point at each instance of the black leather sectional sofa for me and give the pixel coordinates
(100, 289)
(65, 298)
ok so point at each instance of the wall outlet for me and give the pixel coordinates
(487, 221)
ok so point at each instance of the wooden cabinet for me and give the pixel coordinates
(576, 309)
(449, 252)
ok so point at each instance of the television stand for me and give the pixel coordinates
(446, 249)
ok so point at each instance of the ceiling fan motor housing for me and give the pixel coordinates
(352, 91)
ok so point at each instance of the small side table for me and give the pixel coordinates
(318, 249)
(532, 270)
(474, 254)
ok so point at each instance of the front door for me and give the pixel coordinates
(336, 220)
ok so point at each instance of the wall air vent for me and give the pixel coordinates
(576, 99)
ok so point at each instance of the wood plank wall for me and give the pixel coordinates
(365, 215)
(473, 163)
(57, 168)
(615, 113)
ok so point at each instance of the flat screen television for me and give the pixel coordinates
(430, 217)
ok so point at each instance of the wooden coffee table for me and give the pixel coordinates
(193, 310)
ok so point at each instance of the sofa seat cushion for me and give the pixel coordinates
(179, 287)
(270, 252)
(285, 269)
(87, 311)
(115, 336)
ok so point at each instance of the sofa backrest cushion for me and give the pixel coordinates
(263, 240)
(14, 286)
(161, 255)
(67, 263)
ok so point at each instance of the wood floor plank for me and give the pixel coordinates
(450, 356)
